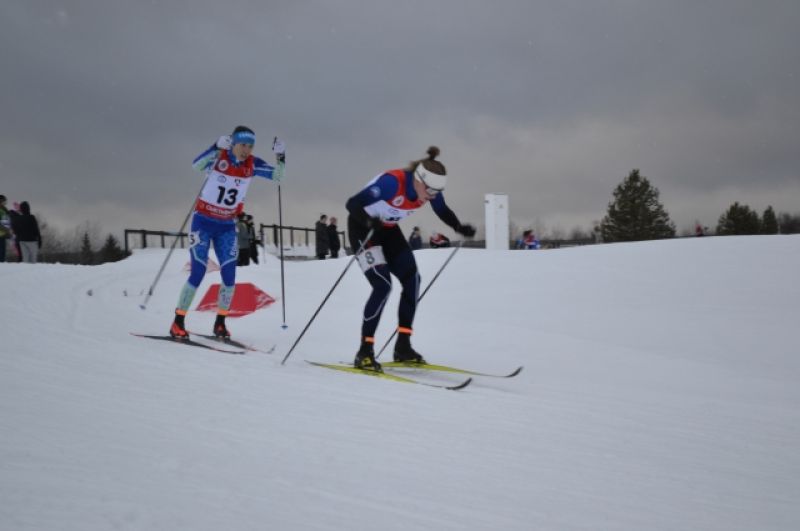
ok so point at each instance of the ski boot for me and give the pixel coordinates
(403, 352)
(220, 331)
(365, 357)
(178, 328)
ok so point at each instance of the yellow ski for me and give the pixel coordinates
(445, 368)
(387, 376)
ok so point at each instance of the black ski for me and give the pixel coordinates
(234, 343)
(187, 342)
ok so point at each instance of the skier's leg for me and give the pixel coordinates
(225, 245)
(199, 243)
(404, 267)
(381, 283)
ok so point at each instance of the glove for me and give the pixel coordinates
(467, 230)
(224, 142)
(279, 148)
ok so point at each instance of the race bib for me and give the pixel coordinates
(370, 258)
(222, 194)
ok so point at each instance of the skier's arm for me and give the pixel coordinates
(262, 168)
(449, 217)
(268, 171)
(206, 159)
(383, 188)
(444, 213)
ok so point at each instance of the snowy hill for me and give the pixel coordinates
(660, 392)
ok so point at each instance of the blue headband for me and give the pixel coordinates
(244, 137)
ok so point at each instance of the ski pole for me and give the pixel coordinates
(280, 242)
(349, 263)
(280, 234)
(143, 306)
(452, 254)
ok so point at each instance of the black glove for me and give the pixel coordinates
(466, 230)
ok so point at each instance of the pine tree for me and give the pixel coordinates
(636, 213)
(87, 255)
(769, 222)
(111, 251)
(788, 223)
(738, 219)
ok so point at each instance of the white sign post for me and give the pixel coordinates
(497, 227)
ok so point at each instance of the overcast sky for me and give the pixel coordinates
(106, 102)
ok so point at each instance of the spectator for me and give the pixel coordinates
(251, 227)
(519, 243)
(321, 229)
(15, 214)
(415, 240)
(5, 227)
(529, 240)
(438, 240)
(698, 230)
(333, 238)
(27, 232)
(243, 240)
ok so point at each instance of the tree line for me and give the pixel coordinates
(636, 213)
(83, 245)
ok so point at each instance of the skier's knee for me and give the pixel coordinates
(197, 274)
(380, 280)
(411, 279)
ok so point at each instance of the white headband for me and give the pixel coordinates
(431, 180)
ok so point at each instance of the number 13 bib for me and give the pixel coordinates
(225, 188)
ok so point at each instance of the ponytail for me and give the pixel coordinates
(430, 162)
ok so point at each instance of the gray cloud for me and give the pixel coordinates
(105, 103)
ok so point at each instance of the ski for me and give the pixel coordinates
(234, 343)
(389, 376)
(188, 342)
(445, 368)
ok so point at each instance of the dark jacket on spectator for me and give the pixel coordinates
(322, 247)
(25, 226)
(333, 239)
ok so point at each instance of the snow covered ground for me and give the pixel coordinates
(660, 392)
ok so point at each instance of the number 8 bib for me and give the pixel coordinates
(371, 257)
